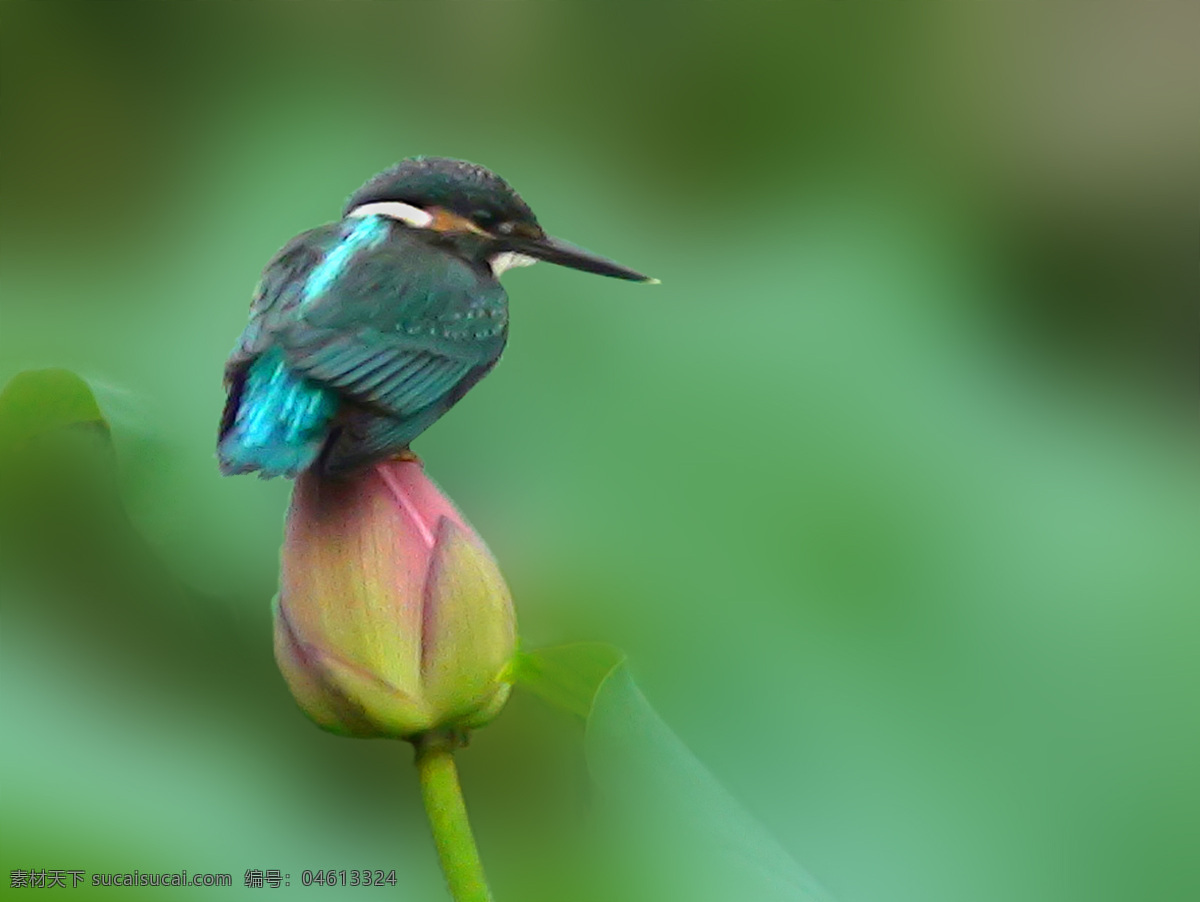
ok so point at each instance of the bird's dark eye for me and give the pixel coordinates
(506, 228)
(483, 218)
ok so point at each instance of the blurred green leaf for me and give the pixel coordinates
(679, 832)
(568, 676)
(692, 839)
(37, 401)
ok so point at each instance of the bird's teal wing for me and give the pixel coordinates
(379, 332)
(402, 335)
(399, 330)
(275, 420)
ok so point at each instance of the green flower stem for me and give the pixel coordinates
(448, 819)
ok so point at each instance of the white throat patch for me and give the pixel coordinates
(394, 209)
(501, 263)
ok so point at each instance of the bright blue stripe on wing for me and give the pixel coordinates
(368, 232)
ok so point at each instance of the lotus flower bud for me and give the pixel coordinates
(392, 618)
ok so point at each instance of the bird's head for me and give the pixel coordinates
(457, 198)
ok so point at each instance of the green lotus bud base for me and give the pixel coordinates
(448, 816)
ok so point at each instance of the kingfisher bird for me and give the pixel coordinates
(364, 331)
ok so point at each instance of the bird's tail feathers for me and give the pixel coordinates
(277, 421)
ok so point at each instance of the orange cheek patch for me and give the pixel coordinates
(445, 221)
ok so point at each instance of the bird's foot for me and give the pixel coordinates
(406, 455)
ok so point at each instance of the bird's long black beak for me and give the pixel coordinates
(554, 250)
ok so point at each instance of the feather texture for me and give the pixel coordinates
(280, 423)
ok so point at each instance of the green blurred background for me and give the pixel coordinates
(889, 490)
